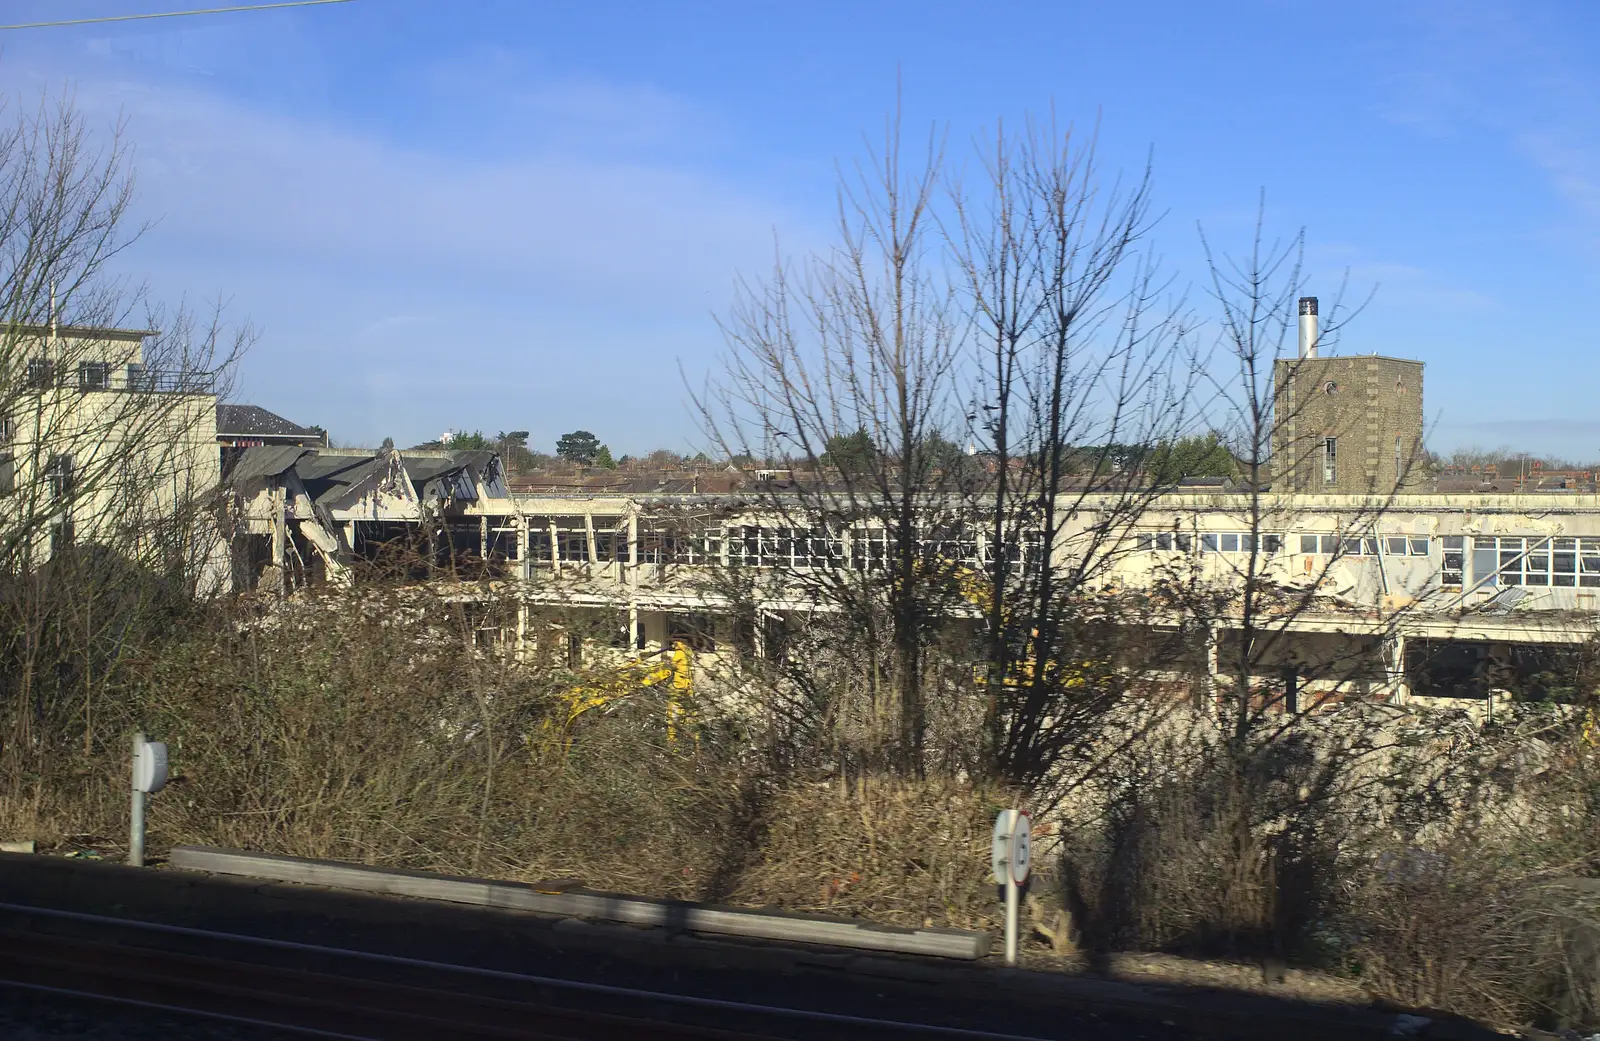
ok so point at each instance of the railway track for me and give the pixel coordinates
(336, 992)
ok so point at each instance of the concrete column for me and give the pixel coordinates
(588, 528)
(483, 537)
(524, 565)
(555, 548)
(633, 549)
(633, 579)
(1397, 690)
(279, 525)
(1213, 663)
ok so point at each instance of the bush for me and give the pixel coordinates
(905, 852)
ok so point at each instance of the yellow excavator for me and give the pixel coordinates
(672, 667)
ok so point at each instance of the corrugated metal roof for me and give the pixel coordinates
(265, 461)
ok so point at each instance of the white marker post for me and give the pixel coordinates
(1009, 857)
(149, 777)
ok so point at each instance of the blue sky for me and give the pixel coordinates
(524, 215)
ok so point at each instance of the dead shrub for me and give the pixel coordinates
(1498, 915)
(899, 851)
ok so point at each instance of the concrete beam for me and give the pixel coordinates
(581, 903)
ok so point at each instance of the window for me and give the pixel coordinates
(743, 546)
(1239, 542)
(1405, 546)
(41, 373)
(1399, 469)
(572, 540)
(1330, 447)
(1589, 562)
(1511, 554)
(94, 375)
(8, 430)
(1028, 553)
(827, 551)
(1484, 564)
(58, 474)
(1344, 545)
(1454, 558)
(1564, 562)
(62, 535)
(695, 629)
(1517, 560)
(1165, 542)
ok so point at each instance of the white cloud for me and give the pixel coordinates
(405, 286)
(222, 173)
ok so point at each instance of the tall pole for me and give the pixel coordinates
(1011, 917)
(136, 819)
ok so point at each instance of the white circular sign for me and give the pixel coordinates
(1021, 848)
(1001, 850)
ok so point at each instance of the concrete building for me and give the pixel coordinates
(99, 446)
(1434, 591)
(1344, 425)
(299, 516)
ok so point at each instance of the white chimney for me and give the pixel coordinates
(1308, 327)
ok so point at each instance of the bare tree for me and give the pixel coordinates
(1027, 321)
(107, 412)
(1291, 751)
(1082, 374)
(861, 341)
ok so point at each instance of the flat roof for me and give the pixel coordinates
(82, 332)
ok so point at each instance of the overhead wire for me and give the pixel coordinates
(171, 14)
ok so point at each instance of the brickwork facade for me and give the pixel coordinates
(1350, 425)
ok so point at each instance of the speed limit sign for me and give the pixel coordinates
(1021, 847)
(1009, 857)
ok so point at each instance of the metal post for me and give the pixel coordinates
(136, 820)
(1012, 899)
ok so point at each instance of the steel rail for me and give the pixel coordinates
(324, 1002)
(156, 1006)
(553, 982)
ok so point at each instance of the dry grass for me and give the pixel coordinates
(371, 729)
(902, 852)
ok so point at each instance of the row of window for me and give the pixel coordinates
(1210, 542)
(1503, 560)
(1496, 559)
(869, 549)
(92, 375)
(1517, 560)
(1242, 542)
(1367, 545)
